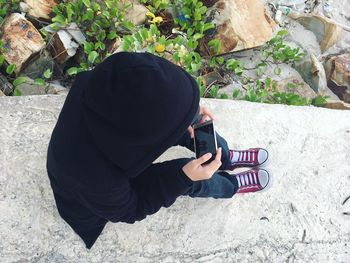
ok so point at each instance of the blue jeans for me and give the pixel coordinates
(221, 184)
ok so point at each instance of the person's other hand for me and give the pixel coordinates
(196, 171)
(205, 115)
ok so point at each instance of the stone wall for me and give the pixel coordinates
(300, 219)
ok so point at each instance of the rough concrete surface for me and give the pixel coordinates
(300, 219)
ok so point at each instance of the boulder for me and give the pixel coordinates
(297, 86)
(40, 8)
(337, 105)
(338, 75)
(326, 30)
(137, 13)
(31, 88)
(313, 72)
(22, 41)
(302, 217)
(2, 94)
(37, 68)
(240, 24)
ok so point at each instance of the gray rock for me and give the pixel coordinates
(5, 86)
(314, 74)
(37, 68)
(30, 88)
(301, 87)
(300, 219)
(338, 74)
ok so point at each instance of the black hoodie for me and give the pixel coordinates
(116, 120)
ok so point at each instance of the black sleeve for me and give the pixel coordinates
(133, 199)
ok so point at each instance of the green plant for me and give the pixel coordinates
(8, 7)
(264, 89)
(277, 51)
(155, 6)
(191, 15)
(102, 22)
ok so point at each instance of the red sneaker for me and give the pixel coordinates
(253, 180)
(248, 158)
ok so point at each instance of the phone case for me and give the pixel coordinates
(198, 125)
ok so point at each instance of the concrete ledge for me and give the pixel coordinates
(300, 219)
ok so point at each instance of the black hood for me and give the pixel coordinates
(136, 106)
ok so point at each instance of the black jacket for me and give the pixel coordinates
(116, 120)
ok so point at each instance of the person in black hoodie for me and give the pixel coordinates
(116, 120)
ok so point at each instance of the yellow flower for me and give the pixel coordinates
(160, 48)
(158, 20)
(150, 14)
(155, 19)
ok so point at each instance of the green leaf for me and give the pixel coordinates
(39, 81)
(10, 69)
(220, 60)
(128, 25)
(232, 64)
(197, 36)
(144, 33)
(70, 12)
(59, 19)
(112, 35)
(291, 85)
(72, 71)
(235, 93)
(16, 92)
(208, 26)
(20, 80)
(319, 101)
(48, 74)
(202, 10)
(238, 71)
(192, 44)
(88, 47)
(138, 37)
(87, 3)
(215, 44)
(2, 59)
(283, 32)
(278, 70)
(223, 96)
(92, 57)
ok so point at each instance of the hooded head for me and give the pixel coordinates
(136, 106)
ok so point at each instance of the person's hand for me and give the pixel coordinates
(205, 115)
(196, 171)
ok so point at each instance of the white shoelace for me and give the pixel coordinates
(247, 179)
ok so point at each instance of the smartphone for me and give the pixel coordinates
(205, 139)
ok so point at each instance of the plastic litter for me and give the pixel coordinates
(327, 8)
(298, 5)
(295, 8)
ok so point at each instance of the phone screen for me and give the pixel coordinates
(205, 139)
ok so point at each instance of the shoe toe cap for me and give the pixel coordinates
(262, 156)
(264, 178)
